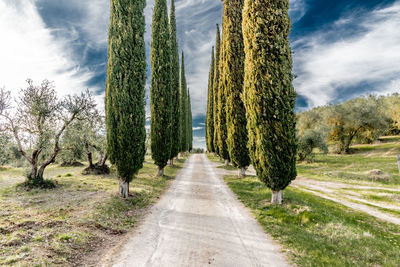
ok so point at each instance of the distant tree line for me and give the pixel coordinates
(360, 120)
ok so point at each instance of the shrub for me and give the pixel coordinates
(310, 140)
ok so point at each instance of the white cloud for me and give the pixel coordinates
(327, 63)
(29, 50)
(297, 10)
(197, 128)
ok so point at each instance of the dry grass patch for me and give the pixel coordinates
(82, 215)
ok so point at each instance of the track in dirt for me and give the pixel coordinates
(199, 222)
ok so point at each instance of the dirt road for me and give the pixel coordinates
(199, 222)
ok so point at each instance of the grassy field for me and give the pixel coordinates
(356, 167)
(319, 232)
(66, 225)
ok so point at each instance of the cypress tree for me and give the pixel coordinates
(183, 108)
(174, 85)
(215, 88)
(190, 127)
(232, 73)
(221, 111)
(125, 90)
(160, 91)
(210, 113)
(269, 96)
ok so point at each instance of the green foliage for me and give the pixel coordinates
(220, 126)
(314, 119)
(390, 106)
(183, 108)
(307, 142)
(360, 120)
(5, 152)
(210, 107)
(232, 73)
(125, 92)
(268, 94)
(190, 122)
(216, 88)
(175, 105)
(72, 143)
(359, 117)
(161, 89)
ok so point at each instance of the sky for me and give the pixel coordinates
(341, 48)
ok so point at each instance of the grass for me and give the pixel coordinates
(319, 232)
(214, 158)
(83, 213)
(356, 167)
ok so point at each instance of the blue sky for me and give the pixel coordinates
(342, 48)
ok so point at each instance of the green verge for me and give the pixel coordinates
(319, 232)
(217, 160)
(355, 167)
(81, 215)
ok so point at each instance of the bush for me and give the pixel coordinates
(310, 140)
(197, 150)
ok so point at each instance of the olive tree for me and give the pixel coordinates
(38, 121)
(355, 118)
(310, 140)
(84, 138)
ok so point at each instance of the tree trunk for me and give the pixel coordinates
(34, 175)
(160, 172)
(227, 162)
(181, 154)
(40, 173)
(90, 159)
(123, 188)
(171, 162)
(89, 155)
(242, 172)
(34, 170)
(104, 160)
(277, 197)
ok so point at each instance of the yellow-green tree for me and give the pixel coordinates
(269, 96)
(216, 88)
(232, 73)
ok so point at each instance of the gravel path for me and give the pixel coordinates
(199, 222)
(332, 191)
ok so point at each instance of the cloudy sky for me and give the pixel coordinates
(342, 48)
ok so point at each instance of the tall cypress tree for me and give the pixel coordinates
(215, 88)
(183, 108)
(160, 91)
(175, 146)
(269, 96)
(125, 91)
(232, 81)
(190, 122)
(210, 112)
(221, 110)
